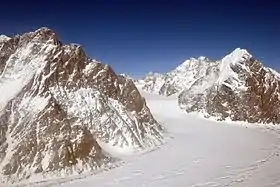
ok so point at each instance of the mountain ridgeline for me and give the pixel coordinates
(237, 87)
(57, 106)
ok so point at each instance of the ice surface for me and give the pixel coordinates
(198, 153)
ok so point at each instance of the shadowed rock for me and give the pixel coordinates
(56, 105)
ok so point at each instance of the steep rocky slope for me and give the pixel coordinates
(57, 104)
(238, 87)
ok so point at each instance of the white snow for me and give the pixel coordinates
(33, 104)
(274, 72)
(152, 82)
(4, 38)
(114, 150)
(193, 69)
(19, 70)
(198, 153)
(46, 161)
(89, 68)
(237, 56)
(11, 143)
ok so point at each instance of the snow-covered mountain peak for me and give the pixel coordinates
(151, 73)
(42, 35)
(43, 29)
(191, 63)
(236, 58)
(59, 110)
(4, 38)
(202, 58)
(238, 87)
(191, 70)
(237, 55)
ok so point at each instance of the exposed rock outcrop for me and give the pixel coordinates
(241, 89)
(56, 104)
(238, 87)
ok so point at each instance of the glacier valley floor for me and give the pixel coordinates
(198, 153)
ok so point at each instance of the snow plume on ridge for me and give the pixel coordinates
(58, 109)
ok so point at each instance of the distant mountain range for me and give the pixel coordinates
(237, 87)
(61, 110)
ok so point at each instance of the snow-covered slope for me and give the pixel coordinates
(152, 82)
(4, 38)
(176, 80)
(58, 108)
(187, 73)
(238, 87)
(200, 153)
(184, 75)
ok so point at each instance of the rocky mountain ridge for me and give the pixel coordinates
(57, 106)
(238, 87)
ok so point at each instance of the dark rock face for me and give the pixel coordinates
(237, 87)
(56, 106)
(250, 93)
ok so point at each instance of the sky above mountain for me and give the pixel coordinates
(141, 36)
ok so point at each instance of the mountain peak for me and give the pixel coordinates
(43, 35)
(202, 58)
(237, 55)
(4, 38)
(44, 29)
(239, 51)
(60, 110)
(191, 62)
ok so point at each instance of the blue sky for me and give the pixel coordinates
(142, 36)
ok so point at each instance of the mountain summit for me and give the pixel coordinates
(58, 108)
(237, 87)
(188, 72)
